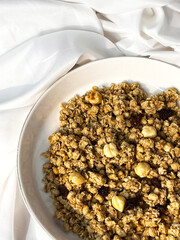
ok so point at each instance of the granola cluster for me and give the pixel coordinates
(114, 164)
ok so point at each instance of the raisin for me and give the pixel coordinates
(103, 191)
(161, 208)
(136, 120)
(156, 182)
(144, 206)
(93, 142)
(132, 203)
(63, 191)
(168, 202)
(94, 170)
(165, 113)
(113, 115)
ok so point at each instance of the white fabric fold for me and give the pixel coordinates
(42, 40)
(119, 7)
(21, 20)
(41, 60)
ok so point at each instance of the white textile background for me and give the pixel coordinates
(41, 41)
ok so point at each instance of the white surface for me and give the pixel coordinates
(43, 120)
(42, 40)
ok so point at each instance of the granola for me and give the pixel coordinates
(114, 164)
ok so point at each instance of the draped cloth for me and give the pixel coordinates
(40, 41)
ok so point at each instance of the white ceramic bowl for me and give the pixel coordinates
(154, 77)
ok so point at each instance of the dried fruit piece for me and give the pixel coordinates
(156, 182)
(93, 142)
(132, 203)
(161, 208)
(136, 120)
(103, 191)
(165, 113)
(63, 190)
(113, 115)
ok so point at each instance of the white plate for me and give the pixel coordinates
(43, 120)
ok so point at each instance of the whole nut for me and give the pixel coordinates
(76, 178)
(95, 98)
(118, 203)
(149, 132)
(142, 169)
(110, 150)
